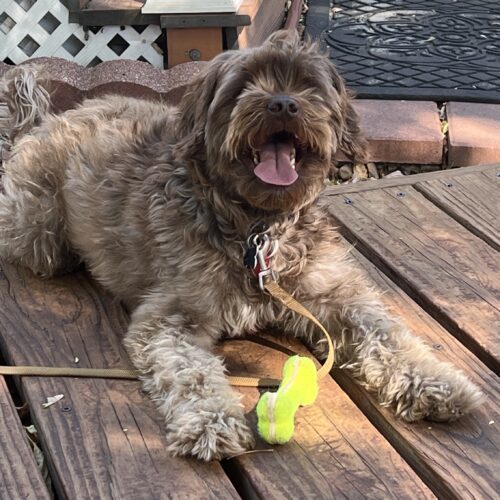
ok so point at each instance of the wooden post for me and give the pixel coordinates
(193, 44)
(199, 37)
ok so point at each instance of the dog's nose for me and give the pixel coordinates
(283, 106)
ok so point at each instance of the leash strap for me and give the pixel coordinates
(52, 371)
(288, 301)
(117, 373)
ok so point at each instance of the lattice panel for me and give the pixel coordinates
(36, 28)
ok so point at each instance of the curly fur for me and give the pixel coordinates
(158, 202)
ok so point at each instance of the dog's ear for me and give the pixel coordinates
(195, 104)
(351, 140)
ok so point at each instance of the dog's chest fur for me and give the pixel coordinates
(229, 294)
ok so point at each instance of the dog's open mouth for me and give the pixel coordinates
(275, 161)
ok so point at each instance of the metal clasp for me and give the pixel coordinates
(265, 250)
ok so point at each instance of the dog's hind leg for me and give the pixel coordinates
(31, 227)
(203, 415)
(31, 209)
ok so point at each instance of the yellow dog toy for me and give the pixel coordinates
(276, 410)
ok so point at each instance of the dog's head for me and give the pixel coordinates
(267, 121)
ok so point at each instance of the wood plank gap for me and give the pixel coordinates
(424, 302)
(241, 482)
(19, 473)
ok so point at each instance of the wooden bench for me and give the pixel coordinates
(189, 37)
(428, 241)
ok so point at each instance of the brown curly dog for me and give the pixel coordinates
(159, 201)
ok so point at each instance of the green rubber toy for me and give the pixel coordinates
(276, 410)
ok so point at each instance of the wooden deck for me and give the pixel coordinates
(431, 241)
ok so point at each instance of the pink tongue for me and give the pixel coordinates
(275, 167)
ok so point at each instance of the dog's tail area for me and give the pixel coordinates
(24, 90)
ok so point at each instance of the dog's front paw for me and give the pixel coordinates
(439, 399)
(208, 435)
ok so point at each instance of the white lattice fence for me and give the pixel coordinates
(36, 28)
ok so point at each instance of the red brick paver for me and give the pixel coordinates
(474, 133)
(401, 131)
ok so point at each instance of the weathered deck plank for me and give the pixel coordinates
(104, 439)
(335, 453)
(449, 271)
(473, 200)
(19, 474)
(406, 180)
(459, 459)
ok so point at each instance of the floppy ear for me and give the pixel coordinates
(351, 140)
(195, 104)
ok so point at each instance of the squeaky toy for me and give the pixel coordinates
(276, 410)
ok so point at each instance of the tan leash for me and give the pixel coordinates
(257, 258)
(286, 299)
(66, 371)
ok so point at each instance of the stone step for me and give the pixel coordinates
(401, 131)
(474, 133)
